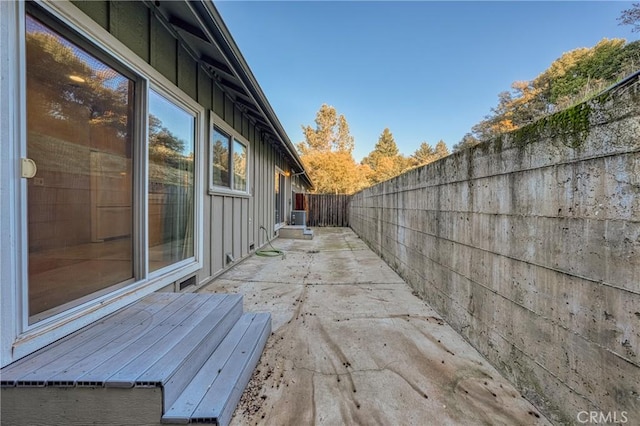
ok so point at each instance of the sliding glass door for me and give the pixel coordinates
(80, 135)
(106, 208)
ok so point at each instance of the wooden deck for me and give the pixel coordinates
(168, 358)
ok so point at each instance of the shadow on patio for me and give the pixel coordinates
(351, 344)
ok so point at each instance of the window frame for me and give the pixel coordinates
(20, 338)
(233, 170)
(190, 106)
(222, 126)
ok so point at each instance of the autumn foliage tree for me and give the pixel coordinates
(572, 78)
(426, 154)
(327, 154)
(385, 161)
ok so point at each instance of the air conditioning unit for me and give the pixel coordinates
(299, 217)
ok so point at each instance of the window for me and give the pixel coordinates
(239, 166)
(221, 148)
(171, 182)
(229, 161)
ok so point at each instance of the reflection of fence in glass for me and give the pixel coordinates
(170, 220)
(171, 183)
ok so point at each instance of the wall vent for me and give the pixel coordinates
(188, 282)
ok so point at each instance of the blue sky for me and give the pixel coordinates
(426, 70)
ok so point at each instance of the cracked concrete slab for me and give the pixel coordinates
(351, 344)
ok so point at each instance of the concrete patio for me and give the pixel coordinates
(351, 344)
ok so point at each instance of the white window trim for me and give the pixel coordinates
(185, 102)
(18, 338)
(12, 125)
(216, 121)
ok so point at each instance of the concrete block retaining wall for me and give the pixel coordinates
(529, 246)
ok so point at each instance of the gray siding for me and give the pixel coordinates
(231, 223)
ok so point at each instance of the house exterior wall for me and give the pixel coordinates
(232, 222)
(228, 223)
(529, 246)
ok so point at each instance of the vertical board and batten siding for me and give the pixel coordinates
(327, 209)
(231, 223)
(205, 97)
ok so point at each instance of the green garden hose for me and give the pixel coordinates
(274, 252)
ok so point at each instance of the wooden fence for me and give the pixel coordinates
(327, 209)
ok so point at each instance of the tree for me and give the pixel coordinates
(500, 121)
(574, 77)
(385, 147)
(385, 160)
(631, 17)
(331, 133)
(423, 155)
(467, 141)
(576, 73)
(327, 155)
(441, 150)
(426, 154)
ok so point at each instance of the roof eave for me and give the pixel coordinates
(212, 19)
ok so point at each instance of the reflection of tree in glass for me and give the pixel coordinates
(221, 160)
(239, 168)
(165, 147)
(88, 88)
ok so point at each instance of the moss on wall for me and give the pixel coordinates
(571, 126)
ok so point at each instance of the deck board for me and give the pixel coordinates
(194, 351)
(181, 408)
(150, 352)
(161, 371)
(60, 349)
(217, 403)
(94, 369)
(139, 324)
(168, 320)
(181, 376)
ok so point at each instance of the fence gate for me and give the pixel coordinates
(327, 209)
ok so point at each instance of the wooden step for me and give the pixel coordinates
(60, 355)
(213, 394)
(145, 348)
(143, 358)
